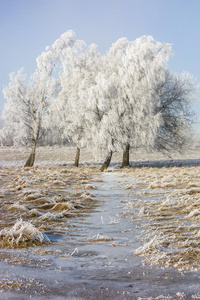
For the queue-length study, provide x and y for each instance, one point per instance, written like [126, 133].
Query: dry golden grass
[46, 196]
[165, 203]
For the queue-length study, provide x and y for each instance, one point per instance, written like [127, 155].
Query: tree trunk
[76, 163]
[30, 161]
[106, 162]
[125, 161]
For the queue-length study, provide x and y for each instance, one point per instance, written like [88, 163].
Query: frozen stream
[95, 259]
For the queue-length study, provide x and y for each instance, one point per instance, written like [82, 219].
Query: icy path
[95, 259]
[103, 243]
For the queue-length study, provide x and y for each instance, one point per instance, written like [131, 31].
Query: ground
[104, 236]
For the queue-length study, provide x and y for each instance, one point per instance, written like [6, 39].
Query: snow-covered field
[145, 215]
[65, 155]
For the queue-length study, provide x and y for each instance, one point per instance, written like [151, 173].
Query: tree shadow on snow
[165, 163]
[144, 164]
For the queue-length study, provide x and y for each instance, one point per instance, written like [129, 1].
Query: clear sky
[28, 26]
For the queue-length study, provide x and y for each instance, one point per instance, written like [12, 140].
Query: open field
[66, 155]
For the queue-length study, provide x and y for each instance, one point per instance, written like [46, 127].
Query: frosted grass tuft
[99, 238]
[22, 234]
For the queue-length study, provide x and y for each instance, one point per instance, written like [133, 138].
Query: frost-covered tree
[147, 106]
[102, 115]
[29, 100]
[79, 67]
[27, 107]
[144, 69]
[126, 101]
[176, 96]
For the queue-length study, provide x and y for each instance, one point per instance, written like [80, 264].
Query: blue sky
[28, 26]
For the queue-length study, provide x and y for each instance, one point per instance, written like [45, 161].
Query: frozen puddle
[93, 259]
